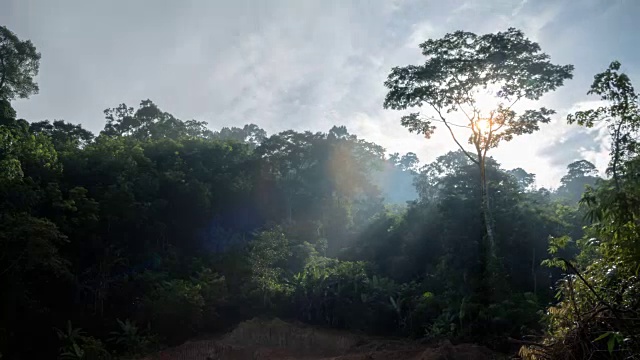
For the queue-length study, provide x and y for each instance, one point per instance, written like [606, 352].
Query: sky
[309, 65]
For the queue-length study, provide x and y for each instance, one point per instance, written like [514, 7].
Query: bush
[213, 289]
[177, 309]
[130, 341]
[76, 345]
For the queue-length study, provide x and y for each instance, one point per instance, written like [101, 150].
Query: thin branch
[455, 76]
[499, 127]
[475, 161]
[575, 271]
[450, 123]
[593, 291]
[465, 113]
[513, 103]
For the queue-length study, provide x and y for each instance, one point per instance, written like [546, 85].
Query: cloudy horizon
[308, 65]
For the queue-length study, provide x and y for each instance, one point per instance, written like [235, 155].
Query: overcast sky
[307, 65]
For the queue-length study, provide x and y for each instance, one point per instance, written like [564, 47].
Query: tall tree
[603, 280]
[19, 64]
[150, 122]
[621, 116]
[458, 68]
[580, 174]
[251, 134]
[524, 179]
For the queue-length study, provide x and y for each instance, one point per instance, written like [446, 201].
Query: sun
[483, 125]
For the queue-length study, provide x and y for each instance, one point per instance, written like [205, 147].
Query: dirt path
[279, 340]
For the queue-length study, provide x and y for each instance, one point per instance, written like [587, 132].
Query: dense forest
[158, 229]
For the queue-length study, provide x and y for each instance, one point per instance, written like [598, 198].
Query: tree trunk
[488, 246]
[486, 211]
[290, 210]
[616, 156]
[533, 272]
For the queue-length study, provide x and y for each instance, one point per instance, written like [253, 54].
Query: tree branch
[575, 271]
[450, 123]
[476, 138]
[513, 103]
[489, 137]
[469, 97]
[499, 127]
[475, 161]
[465, 113]
[593, 291]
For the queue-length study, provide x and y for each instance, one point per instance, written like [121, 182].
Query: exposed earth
[276, 339]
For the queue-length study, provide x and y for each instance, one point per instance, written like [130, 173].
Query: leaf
[602, 336]
[611, 344]
[393, 302]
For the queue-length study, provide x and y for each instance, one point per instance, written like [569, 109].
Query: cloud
[573, 142]
[303, 64]
[573, 146]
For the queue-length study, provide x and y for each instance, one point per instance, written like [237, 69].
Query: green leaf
[602, 336]
[611, 344]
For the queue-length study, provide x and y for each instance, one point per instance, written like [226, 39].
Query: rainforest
[156, 230]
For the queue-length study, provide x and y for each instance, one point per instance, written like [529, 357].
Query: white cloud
[301, 64]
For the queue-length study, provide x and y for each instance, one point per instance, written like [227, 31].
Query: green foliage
[580, 175]
[268, 254]
[334, 293]
[178, 308]
[598, 308]
[64, 136]
[130, 340]
[555, 245]
[77, 346]
[19, 64]
[151, 122]
[23, 153]
[461, 63]
[175, 309]
[29, 245]
[183, 230]
[458, 69]
[620, 115]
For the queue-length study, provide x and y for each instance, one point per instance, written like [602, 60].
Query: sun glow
[483, 125]
[486, 102]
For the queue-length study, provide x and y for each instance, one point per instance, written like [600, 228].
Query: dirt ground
[279, 340]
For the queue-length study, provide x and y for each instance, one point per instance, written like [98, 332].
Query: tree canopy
[458, 67]
[19, 65]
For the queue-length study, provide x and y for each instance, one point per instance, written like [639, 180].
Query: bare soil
[279, 340]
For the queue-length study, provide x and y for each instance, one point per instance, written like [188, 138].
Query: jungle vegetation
[158, 229]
